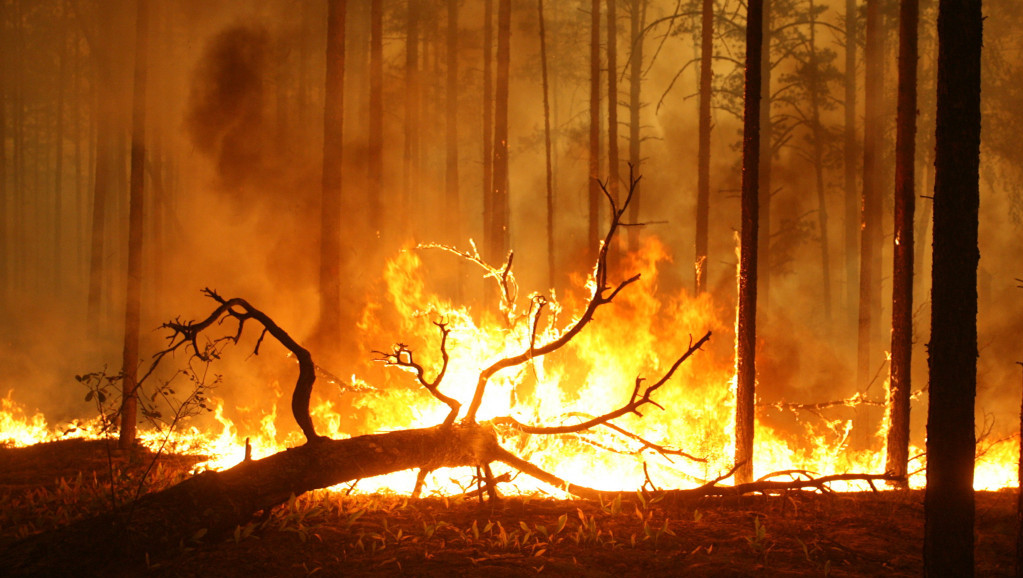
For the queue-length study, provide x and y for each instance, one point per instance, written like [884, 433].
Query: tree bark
[703, 154]
[612, 99]
[129, 400]
[852, 197]
[593, 235]
[636, 22]
[375, 166]
[499, 230]
[952, 359]
[452, 212]
[409, 190]
[746, 323]
[897, 459]
[870, 225]
[488, 123]
[217, 502]
[329, 333]
[547, 146]
[765, 158]
[815, 89]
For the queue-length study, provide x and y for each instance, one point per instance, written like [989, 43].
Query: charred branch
[401, 356]
[186, 334]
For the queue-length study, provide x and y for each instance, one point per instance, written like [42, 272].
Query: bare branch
[401, 356]
[636, 401]
[599, 297]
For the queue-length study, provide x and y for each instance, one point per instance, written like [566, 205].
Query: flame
[639, 335]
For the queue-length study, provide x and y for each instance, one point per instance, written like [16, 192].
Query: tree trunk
[409, 190]
[217, 502]
[488, 125]
[375, 166]
[499, 231]
[852, 197]
[547, 147]
[636, 22]
[452, 213]
[765, 157]
[897, 460]
[4, 226]
[746, 324]
[703, 154]
[817, 130]
[870, 225]
[330, 333]
[612, 100]
[593, 235]
[952, 358]
[129, 399]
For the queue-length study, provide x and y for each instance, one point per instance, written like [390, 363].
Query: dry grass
[328, 534]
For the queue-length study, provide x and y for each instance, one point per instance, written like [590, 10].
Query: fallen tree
[213, 503]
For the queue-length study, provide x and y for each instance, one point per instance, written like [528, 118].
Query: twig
[401, 356]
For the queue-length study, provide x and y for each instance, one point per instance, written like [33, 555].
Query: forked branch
[185, 334]
[602, 294]
[401, 356]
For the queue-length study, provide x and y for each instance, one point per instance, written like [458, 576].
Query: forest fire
[685, 442]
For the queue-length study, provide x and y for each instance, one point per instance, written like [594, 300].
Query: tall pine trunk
[636, 22]
[488, 125]
[593, 233]
[852, 196]
[817, 130]
[375, 166]
[870, 219]
[499, 230]
[952, 352]
[897, 458]
[452, 214]
[129, 398]
[547, 146]
[703, 153]
[746, 323]
[765, 157]
[409, 190]
[612, 99]
[330, 333]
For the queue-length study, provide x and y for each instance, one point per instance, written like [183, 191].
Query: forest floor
[328, 533]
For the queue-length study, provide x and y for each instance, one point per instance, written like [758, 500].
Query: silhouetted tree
[593, 236]
[703, 153]
[333, 185]
[133, 307]
[498, 233]
[746, 324]
[897, 459]
[952, 352]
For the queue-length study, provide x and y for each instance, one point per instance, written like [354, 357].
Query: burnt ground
[333, 534]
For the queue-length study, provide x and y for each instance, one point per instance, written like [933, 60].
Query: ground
[334, 533]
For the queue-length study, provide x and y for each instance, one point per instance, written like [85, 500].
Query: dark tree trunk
[703, 154]
[746, 324]
[952, 358]
[870, 219]
[817, 130]
[612, 99]
[4, 227]
[852, 196]
[499, 231]
[488, 124]
[56, 260]
[409, 190]
[375, 166]
[217, 502]
[636, 21]
[897, 459]
[133, 307]
[765, 158]
[547, 146]
[330, 333]
[593, 235]
[452, 213]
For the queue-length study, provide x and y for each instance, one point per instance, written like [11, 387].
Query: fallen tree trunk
[212, 504]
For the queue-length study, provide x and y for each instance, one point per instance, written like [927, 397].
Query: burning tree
[213, 503]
